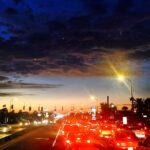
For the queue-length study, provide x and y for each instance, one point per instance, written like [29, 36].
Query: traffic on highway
[77, 131]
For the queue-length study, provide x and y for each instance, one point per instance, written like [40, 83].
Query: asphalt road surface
[38, 139]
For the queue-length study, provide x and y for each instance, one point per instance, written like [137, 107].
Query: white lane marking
[56, 137]
[46, 139]
[58, 134]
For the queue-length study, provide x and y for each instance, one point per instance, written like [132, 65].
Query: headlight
[20, 123]
[4, 129]
[35, 122]
[26, 124]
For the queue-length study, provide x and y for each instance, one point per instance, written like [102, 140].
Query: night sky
[59, 52]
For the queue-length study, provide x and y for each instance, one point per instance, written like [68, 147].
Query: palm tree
[147, 106]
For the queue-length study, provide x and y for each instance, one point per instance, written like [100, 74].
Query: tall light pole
[132, 98]
[95, 99]
[122, 78]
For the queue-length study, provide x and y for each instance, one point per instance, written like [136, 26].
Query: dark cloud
[58, 40]
[80, 23]
[29, 12]
[55, 26]
[18, 1]
[140, 55]
[95, 7]
[11, 11]
[14, 85]
[124, 6]
[8, 94]
[71, 61]
[40, 37]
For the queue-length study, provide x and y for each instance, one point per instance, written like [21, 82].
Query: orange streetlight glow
[121, 77]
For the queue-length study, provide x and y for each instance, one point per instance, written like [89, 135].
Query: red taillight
[68, 141]
[118, 144]
[78, 138]
[139, 124]
[123, 144]
[88, 141]
[129, 137]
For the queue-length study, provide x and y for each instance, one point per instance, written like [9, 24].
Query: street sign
[125, 120]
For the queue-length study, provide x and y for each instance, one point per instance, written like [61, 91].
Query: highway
[76, 133]
[38, 139]
[42, 138]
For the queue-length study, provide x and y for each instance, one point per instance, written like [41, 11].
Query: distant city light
[144, 116]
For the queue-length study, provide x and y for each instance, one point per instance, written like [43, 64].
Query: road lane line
[46, 139]
[56, 137]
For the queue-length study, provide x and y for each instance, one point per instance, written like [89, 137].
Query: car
[106, 131]
[24, 123]
[5, 128]
[45, 121]
[37, 122]
[66, 128]
[139, 129]
[145, 143]
[77, 138]
[52, 121]
[139, 133]
[87, 147]
[94, 127]
[125, 139]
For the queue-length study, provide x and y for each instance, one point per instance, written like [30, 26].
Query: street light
[95, 99]
[122, 79]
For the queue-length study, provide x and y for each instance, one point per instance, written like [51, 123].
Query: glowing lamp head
[120, 77]
[92, 97]
[4, 129]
